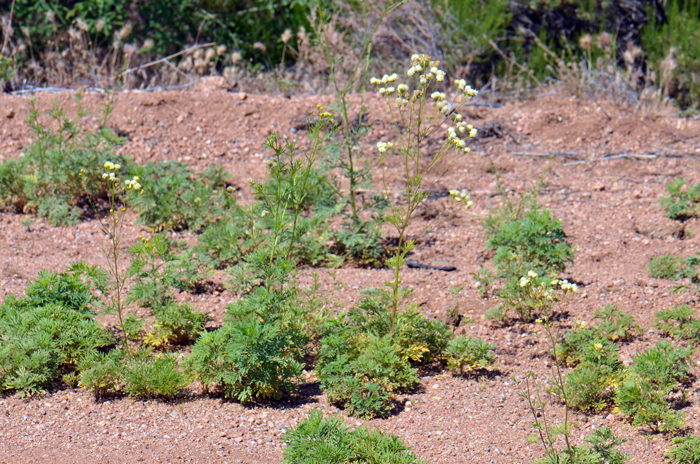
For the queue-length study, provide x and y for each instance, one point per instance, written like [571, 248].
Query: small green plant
[148, 375]
[327, 439]
[175, 199]
[679, 322]
[155, 271]
[681, 203]
[537, 242]
[655, 374]
[577, 390]
[684, 450]
[615, 325]
[469, 353]
[590, 385]
[59, 174]
[530, 296]
[48, 332]
[669, 267]
[248, 359]
[362, 363]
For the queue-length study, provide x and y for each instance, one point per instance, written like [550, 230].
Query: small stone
[436, 386]
[222, 434]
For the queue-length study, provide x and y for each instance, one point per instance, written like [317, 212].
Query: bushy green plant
[669, 267]
[684, 450]
[681, 203]
[531, 296]
[156, 271]
[602, 447]
[470, 353]
[654, 374]
[153, 375]
[102, 373]
[590, 385]
[615, 325]
[248, 359]
[537, 242]
[174, 198]
[59, 173]
[327, 439]
[362, 363]
[679, 322]
[47, 332]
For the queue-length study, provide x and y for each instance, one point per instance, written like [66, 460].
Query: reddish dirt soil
[609, 208]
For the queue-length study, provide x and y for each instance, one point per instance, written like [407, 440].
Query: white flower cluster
[112, 168]
[425, 69]
[565, 285]
[384, 146]
[454, 139]
[460, 196]
[382, 84]
[466, 89]
[133, 184]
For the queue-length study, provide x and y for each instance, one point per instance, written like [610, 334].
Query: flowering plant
[419, 109]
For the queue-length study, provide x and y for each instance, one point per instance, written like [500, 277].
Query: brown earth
[609, 208]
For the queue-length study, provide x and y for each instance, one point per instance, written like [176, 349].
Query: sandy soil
[609, 208]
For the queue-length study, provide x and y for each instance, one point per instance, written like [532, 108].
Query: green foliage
[176, 199]
[102, 373]
[682, 203]
[470, 353]
[615, 325]
[60, 172]
[156, 271]
[537, 242]
[590, 385]
[679, 322]
[684, 450]
[172, 25]
[669, 267]
[250, 359]
[148, 375]
[654, 374]
[602, 448]
[327, 439]
[362, 363]
[674, 51]
[46, 333]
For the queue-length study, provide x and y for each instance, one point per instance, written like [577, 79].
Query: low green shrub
[684, 450]
[174, 198]
[358, 352]
[537, 242]
[469, 353]
[615, 325]
[602, 447]
[327, 439]
[147, 374]
[46, 333]
[678, 322]
[681, 203]
[59, 175]
[669, 267]
[248, 359]
[654, 374]
[590, 385]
